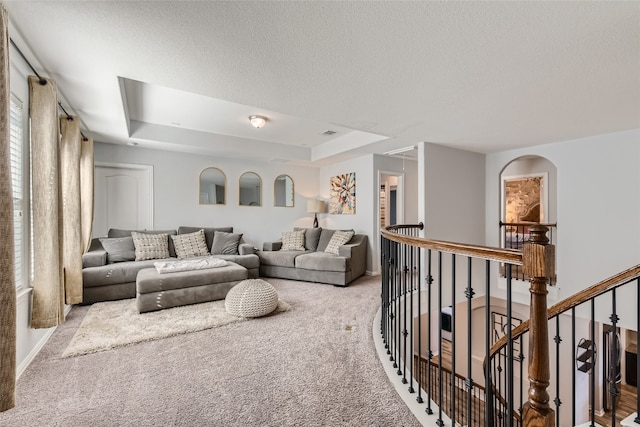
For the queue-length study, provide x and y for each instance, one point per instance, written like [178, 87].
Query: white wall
[175, 183]
[451, 193]
[598, 207]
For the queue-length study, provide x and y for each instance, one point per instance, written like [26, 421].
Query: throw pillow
[292, 241]
[311, 237]
[119, 249]
[117, 232]
[190, 245]
[225, 243]
[338, 239]
[150, 246]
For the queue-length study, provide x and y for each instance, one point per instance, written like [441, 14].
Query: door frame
[400, 197]
[149, 174]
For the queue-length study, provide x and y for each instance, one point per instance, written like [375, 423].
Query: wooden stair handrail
[575, 300]
[509, 256]
[527, 223]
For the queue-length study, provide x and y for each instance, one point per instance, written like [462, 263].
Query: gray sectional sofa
[112, 275]
[313, 264]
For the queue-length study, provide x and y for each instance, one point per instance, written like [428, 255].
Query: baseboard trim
[371, 273]
[36, 349]
[33, 353]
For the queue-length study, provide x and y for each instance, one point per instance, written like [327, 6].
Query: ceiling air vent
[329, 132]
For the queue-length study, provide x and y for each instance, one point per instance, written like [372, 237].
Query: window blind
[16, 143]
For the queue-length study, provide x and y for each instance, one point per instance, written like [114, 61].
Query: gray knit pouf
[251, 298]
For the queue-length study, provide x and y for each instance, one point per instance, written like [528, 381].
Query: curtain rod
[43, 82]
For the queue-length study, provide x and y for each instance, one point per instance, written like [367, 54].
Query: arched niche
[212, 187]
[250, 189]
[528, 190]
[283, 191]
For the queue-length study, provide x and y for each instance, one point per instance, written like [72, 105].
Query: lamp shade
[315, 206]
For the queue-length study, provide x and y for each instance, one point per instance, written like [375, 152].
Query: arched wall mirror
[283, 191]
[250, 189]
[212, 188]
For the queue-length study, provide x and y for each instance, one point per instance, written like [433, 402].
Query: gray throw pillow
[225, 243]
[119, 249]
[311, 237]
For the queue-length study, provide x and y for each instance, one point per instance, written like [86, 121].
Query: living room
[589, 133]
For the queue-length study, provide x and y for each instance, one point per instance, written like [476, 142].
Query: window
[17, 168]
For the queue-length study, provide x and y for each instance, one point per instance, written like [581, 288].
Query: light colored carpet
[313, 366]
[114, 324]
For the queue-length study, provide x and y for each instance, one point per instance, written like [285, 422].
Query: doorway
[123, 197]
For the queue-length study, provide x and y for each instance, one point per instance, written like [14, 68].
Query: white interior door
[123, 197]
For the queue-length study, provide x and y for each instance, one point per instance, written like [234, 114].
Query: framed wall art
[342, 194]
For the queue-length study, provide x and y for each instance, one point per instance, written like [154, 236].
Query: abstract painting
[342, 195]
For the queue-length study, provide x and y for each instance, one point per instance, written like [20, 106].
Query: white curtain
[48, 291]
[72, 244]
[7, 260]
[86, 191]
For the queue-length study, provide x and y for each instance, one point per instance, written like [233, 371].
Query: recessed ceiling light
[132, 143]
[329, 132]
[257, 121]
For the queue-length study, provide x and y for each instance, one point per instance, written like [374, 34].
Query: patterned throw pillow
[292, 241]
[338, 239]
[190, 245]
[150, 246]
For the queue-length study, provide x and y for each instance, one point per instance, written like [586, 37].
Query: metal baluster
[488, 378]
[405, 332]
[557, 400]
[573, 370]
[419, 276]
[613, 389]
[429, 352]
[509, 355]
[637, 418]
[520, 360]
[440, 422]
[411, 348]
[592, 375]
[453, 335]
[469, 381]
[394, 306]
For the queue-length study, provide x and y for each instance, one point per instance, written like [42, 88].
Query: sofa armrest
[246, 249]
[357, 251]
[94, 258]
[272, 246]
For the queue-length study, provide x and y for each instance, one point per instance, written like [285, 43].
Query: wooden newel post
[538, 258]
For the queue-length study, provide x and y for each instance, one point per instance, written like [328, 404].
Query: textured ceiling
[484, 76]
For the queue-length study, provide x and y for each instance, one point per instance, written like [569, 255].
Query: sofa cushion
[293, 241]
[225, 243]
[190, 245]
[119, 249]
[311, 237]
[117, 232]
[114, 274]
[279, 258]
[325, 238]
[209, 232]
[338, 239]
[150, 246]
[322, 261]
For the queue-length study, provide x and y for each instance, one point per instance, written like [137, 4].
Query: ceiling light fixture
[257, 121]
[401, 150]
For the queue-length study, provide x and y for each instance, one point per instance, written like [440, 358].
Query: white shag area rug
[115, 324]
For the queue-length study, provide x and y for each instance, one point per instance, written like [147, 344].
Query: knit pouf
[251, 298]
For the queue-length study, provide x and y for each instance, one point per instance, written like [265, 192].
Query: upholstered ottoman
[155, 291]
[251, 298]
